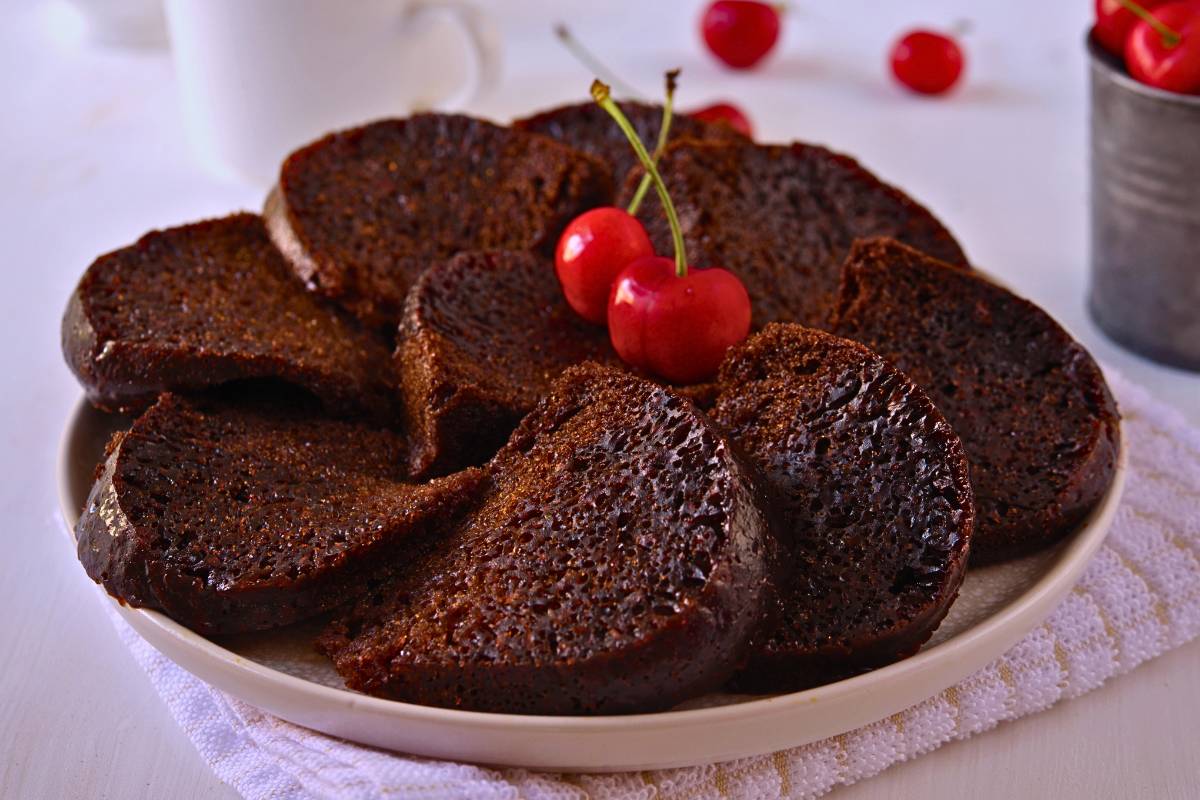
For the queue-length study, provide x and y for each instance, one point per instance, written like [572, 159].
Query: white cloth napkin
[1138, 598]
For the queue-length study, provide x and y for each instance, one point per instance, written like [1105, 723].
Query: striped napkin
[1139, 597]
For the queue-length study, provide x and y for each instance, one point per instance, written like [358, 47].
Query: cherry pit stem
[594, 65]
[664, 129]
[589, 60]
[603, 96]
[1170, 37]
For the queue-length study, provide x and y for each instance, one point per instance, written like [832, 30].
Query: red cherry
[593, 248]
[1164, 62]
[1114, 22]
[664, 316]
[740, 32]
[725, 114]
[927, 62]
[676, 327]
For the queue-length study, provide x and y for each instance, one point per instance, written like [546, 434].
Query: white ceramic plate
[280, 672]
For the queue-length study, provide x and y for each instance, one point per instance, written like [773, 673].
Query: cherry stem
[585, 57]
[961, 28]
[664, 129]
[594, 65]
[1170, 37]
[603, 95]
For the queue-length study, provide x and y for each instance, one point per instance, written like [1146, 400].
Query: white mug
[261, 77]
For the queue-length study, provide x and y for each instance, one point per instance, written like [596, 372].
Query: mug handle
[480, 45]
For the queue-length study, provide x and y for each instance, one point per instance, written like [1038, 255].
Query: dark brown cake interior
[872, 489]
[482, 338]
[1033, 410]
[202, 304]
[782, 218]
[617, 563]
[251, 514]
[623, 551]
[588, 127]
[363, 212]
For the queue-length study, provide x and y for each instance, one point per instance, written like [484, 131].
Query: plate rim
[958, 657]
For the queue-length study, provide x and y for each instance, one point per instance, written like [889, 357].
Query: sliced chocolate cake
[482, 338]
[199, 305]
[618, 562]
[782, 218]
[1033, 410]
[872, 490]
[362, 213]
[588, 127]
[240, 516]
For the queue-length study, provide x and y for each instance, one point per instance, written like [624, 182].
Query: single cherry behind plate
[593, 248]
[740, 32]
[725, 114]
[1166, 54]
[1114, 22]
[664, 316]
[678, 328]
[927, 62]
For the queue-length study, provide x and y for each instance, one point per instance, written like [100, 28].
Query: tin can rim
[1108, 64]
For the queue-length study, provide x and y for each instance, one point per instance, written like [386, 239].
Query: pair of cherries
[664, 317]
[1159, 40]
[740, 33]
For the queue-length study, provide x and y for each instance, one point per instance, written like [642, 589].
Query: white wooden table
[92, 154]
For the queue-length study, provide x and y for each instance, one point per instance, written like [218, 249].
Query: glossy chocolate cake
[242, 515]
[362, 213]
[482, 338]
[1033, 410]
[610, 545]
[872, 491]
[587, 127]
[203, 304]
[618, 562]
[782, 218]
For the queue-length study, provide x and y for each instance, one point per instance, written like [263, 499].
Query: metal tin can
[1145, 197]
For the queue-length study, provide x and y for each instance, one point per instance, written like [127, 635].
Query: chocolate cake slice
[871, 486]
[362, 213]
[195, 306]
[618, 562]
[588, 127]
[1033, 410]
[240, 516]
[782, 218]
[482, 338]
